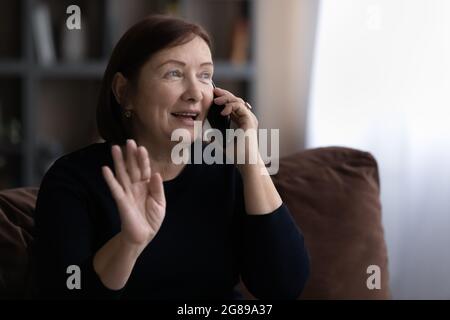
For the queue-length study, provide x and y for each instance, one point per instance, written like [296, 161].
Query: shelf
[11, 130]
[10, 108]
[227, 70]
[239, 88]
[66, 111]
[10, 150]
[227, 22]
[65, 120]
[83, 43]
[222, 69]
[11, 67]
[82, 70]
[10, 29]
[49, 109]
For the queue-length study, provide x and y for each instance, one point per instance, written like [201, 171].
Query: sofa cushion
[334, 195]
[16, 235]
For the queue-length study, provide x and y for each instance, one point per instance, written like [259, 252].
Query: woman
[121, 219]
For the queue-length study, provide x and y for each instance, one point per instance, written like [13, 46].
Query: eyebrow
[182, 63]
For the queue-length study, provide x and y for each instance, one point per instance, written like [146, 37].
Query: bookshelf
[48, 108]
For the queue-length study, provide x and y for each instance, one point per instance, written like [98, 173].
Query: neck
[160, 159]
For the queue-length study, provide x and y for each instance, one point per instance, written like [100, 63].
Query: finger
[114, 186]
[220, 91]
[237, 108]
[119, 166]
[227, 98]
[144, 163]
[156, 189]
[227, 109]
[131, 161]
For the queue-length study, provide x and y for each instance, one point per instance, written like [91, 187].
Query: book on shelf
[240, 42]
[173, 8]
[42, 32]
[10, 130]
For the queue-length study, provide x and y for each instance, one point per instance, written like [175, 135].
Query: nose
[193, 92]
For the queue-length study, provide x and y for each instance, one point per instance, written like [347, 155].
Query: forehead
[196, 51]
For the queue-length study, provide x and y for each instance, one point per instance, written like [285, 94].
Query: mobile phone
[216, 120]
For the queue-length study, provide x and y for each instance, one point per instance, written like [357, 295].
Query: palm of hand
[139, 195]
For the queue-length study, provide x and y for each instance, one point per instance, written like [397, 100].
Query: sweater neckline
[182, 176]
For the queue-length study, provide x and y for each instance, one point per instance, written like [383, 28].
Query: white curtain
[381, 83]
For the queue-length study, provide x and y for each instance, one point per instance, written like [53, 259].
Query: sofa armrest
[16, 236]
[333, 194]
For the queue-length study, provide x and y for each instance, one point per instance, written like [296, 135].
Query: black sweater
[205, 242]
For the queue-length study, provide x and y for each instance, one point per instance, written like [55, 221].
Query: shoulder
[83, 162]
[92, 153]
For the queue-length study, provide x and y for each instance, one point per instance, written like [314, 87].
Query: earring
[127, 114]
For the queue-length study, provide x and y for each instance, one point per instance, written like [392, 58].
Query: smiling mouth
[186, 115]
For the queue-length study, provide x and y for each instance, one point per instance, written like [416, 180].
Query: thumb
[156, 188]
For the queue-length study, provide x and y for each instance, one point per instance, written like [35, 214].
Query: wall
[284, 50]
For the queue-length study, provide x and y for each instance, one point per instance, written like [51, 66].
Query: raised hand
[138, 193]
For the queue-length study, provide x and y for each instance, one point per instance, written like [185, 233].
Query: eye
[206, 75]
[173, 73]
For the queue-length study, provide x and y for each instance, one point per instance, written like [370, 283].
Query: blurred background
[367, 74]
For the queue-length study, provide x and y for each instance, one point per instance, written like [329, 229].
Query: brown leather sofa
[333, 194]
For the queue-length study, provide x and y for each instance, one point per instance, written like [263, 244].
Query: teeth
[187, 114]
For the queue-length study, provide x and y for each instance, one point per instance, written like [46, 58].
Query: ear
[119, 88]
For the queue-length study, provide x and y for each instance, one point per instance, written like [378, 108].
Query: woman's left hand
[260, 194]
[235, 107]
[240, 114]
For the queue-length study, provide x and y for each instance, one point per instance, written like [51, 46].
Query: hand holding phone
[216, 120]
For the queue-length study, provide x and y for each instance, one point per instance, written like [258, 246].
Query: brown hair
[135, 47]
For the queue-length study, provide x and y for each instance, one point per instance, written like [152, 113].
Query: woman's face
[174, 89]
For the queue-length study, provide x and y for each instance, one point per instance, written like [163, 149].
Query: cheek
[156, 103]
[208, 100]
[207, 106]
[167, 96]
